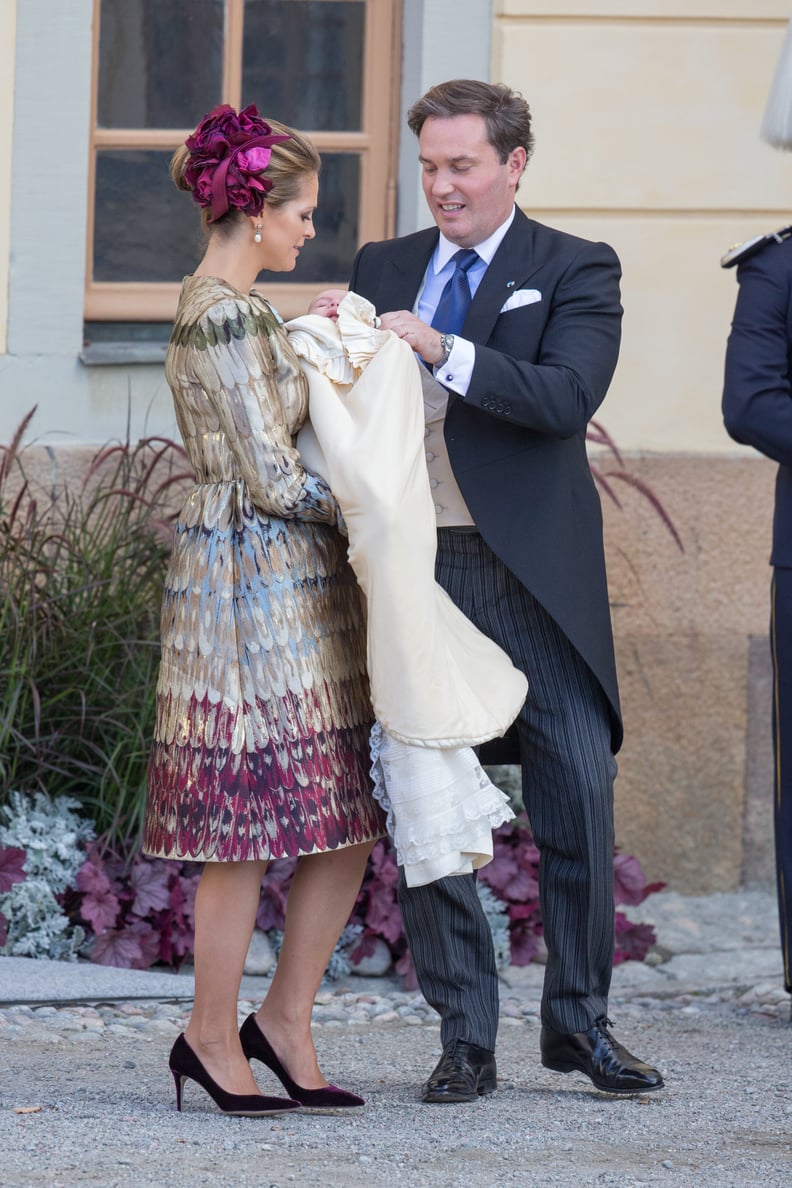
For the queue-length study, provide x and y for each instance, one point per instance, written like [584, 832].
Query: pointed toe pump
[256, 1046]
[186, 1066]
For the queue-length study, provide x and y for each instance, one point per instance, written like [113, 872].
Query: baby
[326, 303]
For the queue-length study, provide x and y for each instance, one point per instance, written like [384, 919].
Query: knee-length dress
[263, 710]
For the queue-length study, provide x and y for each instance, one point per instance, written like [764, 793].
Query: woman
[261, 744]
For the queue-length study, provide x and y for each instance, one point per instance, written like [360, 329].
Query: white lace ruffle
[441, 807]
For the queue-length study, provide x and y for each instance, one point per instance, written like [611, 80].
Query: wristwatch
[446, 346]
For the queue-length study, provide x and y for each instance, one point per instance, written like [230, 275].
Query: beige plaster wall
[695, 783]
[7, 40]
[647, 117]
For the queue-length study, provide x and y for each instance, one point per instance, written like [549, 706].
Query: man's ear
[516, 162]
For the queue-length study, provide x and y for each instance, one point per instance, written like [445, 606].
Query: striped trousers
[567, 779]
[781, 645]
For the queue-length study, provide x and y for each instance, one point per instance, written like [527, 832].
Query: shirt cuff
[457, 371]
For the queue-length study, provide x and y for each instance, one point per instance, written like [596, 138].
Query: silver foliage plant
[497, 913]
[339, 964]
[54, 839]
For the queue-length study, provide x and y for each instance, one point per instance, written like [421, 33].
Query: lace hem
[440, 806]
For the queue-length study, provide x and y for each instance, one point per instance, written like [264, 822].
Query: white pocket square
[521, 297]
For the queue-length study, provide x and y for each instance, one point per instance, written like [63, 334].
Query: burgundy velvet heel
[185, 1065]
[256, 1046]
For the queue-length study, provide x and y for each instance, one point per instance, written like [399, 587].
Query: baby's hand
[326, 303]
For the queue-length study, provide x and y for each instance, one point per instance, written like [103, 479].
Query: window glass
[144, 228]
[303, 61]
[329, 256]
[160, 64]
[157, 236]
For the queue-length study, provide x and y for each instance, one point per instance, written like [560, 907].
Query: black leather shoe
[464, 1072]
[601, 1057]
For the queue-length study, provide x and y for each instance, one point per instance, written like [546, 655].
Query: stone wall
[695, 785]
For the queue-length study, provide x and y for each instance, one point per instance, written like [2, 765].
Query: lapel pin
[509, 284]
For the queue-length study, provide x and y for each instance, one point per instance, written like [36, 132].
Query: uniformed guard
[757, 411]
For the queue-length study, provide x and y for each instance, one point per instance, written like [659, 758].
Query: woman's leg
[225, 915]
[321, 899]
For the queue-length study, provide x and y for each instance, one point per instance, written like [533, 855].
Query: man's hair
[505, 112]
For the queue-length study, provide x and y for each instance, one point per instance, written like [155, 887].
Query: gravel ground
[86, 1096]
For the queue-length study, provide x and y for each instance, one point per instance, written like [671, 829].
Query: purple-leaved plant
[140, 912]
[12, 870]
[633, 941]
[513, 875]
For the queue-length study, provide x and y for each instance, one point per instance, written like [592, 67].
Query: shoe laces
[455, 1054]
[602, 1024]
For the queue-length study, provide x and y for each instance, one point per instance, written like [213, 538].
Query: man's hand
[422, 338]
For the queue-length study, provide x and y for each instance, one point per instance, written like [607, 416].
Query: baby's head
[326, 303]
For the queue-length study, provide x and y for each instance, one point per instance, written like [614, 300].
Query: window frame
[376, 144]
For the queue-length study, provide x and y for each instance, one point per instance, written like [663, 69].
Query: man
[521, 336]
[757, 411]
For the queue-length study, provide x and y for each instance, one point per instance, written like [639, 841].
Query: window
[327, 67]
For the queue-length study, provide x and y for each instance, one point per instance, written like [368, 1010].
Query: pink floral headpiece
[228, 153]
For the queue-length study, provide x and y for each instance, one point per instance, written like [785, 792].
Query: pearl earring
[257, 236]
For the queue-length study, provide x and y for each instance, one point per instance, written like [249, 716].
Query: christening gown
[439, 686]
[261, 745]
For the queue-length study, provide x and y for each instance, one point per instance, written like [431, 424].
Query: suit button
[507, 409]
[499, 406]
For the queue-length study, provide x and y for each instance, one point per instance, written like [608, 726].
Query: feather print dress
[263, 711]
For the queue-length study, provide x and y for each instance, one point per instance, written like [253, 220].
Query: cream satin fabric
[436, 681]
[438, 685]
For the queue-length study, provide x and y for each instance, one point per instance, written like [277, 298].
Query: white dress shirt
[457, 370]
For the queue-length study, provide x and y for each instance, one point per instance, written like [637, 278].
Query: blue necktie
[455, 299]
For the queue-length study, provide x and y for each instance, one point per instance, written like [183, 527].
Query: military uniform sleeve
[757, 399]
